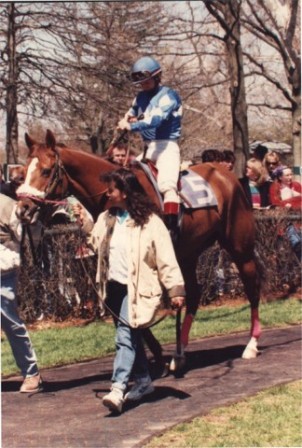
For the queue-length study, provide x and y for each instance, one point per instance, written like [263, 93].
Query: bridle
[56, 179]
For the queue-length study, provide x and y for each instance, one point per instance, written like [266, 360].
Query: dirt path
[69, 413]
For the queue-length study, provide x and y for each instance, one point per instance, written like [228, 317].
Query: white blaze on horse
[55, 171]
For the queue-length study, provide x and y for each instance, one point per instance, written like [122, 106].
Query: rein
[43, 200]
[70, 181]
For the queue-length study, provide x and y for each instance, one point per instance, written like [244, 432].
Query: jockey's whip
[120, 137]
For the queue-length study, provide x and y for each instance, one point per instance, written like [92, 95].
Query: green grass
[59, 346]
[271, 418]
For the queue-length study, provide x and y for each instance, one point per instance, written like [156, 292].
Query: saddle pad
[196, 192]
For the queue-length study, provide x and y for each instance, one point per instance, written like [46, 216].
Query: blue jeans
[293, 235]
[14, 327]
[130, 353]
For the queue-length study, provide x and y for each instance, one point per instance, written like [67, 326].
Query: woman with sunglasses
[156, 114]
[271, 161]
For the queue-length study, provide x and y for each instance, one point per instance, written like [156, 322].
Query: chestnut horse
[54, 170]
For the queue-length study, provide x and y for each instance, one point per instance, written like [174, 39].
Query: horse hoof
[251, 350]
[250, 353]
[177, 363]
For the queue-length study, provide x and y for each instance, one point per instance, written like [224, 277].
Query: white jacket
[152, 266]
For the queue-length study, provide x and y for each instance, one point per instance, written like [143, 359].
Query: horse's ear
[29, 142]
[50, 140]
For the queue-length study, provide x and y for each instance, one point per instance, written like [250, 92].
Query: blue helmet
[144, 68]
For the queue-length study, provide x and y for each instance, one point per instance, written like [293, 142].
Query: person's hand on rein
[123, 125]
[79, 212]
[177, 302]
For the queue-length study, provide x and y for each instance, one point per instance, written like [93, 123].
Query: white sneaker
[141, 387]
[114, 400]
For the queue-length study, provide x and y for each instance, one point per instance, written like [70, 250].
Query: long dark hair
[139, 205]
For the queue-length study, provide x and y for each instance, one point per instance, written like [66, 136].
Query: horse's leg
[188, 269]
[251, 281]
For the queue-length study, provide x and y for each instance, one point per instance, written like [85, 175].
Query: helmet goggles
[139, 77]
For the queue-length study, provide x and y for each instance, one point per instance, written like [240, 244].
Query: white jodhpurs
[166, 156]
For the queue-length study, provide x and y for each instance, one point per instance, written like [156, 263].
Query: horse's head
[45, 178]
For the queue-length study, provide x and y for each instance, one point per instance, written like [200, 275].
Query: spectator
[211, 155]
[228, 159]
[130, 238]
[12, 325]
[270, 162]
[62, 214]
[16, 177]
[255, 184]
[260, 152]
[156, 114]
[118, 153]
[284, 192]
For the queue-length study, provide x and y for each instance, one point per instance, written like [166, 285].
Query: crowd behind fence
[58, 281]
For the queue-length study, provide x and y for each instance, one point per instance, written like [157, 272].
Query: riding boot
[171, 210]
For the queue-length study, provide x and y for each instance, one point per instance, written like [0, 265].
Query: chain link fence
[57, 282]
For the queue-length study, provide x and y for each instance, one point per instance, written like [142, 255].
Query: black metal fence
[59, 283]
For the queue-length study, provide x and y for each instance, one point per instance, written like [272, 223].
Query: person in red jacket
[285, 192]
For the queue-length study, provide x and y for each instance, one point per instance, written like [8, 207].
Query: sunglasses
[272, 163]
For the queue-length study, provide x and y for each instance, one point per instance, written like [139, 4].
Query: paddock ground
[69, 413]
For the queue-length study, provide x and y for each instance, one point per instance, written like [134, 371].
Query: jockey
[156, 114]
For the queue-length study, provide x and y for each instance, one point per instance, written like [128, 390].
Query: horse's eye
[46, 172]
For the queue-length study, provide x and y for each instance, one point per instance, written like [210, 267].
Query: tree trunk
[297, 140]
[228, 16]
[296, 120]
[11, 91]
[237, 87]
